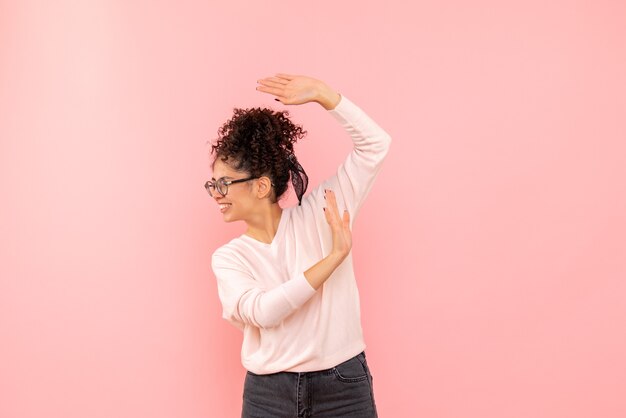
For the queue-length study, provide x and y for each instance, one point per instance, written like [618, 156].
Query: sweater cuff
[346, 112]
[297, 291]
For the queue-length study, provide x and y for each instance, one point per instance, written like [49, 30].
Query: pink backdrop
[491, 255]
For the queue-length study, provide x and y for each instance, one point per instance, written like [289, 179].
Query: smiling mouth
[224, 207]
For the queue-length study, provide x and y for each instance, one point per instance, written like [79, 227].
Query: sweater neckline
[277, 237]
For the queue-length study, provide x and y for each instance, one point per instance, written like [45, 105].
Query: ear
[264, 187]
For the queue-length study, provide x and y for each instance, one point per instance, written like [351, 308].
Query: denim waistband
[360, 356]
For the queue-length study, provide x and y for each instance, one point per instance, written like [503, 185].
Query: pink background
[491, 255]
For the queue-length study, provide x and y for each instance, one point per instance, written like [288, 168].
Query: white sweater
[286, 324]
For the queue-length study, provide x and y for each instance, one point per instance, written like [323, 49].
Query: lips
[224, 207]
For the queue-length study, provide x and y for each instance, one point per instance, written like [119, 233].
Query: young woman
[288, 281]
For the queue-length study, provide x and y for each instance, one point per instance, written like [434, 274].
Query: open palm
[292, 89]
[339, 225]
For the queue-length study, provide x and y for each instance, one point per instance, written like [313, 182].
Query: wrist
[337, 257]
[328, 98]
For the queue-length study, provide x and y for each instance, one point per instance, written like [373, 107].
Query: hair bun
[260, 142]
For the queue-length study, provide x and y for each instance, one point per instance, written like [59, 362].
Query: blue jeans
[342, 391]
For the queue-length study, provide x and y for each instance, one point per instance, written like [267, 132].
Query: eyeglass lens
[220, 185]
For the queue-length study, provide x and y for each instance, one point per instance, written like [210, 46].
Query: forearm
[246, 300]
[321, 271]
[267, 309]
[367, 136]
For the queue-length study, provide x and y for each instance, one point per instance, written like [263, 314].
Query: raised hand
[298, 89]
[342, 243]
[339, 225]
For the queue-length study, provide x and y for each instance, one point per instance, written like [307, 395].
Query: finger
[278, 80]
[331, 209]
[272, 82]
[278, 92]
[329, 217]
[331, 200]
[287, 77]
[346, 219]
[332, 217]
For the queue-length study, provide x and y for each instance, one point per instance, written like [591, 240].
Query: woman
[288, 281]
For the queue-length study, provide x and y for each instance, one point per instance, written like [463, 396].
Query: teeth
[224, 205]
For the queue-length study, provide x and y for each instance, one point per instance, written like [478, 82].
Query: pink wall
[491, 255]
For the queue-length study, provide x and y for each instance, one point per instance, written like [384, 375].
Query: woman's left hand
[339, 226]
[298, 89]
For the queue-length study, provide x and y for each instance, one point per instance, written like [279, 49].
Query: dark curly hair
[259, 141]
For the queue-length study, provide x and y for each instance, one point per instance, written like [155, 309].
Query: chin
[228, 218]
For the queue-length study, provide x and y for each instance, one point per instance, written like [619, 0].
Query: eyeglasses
[221, 186]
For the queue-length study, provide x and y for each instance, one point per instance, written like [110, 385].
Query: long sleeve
[244, 301]
[355, 176]
[287, 325]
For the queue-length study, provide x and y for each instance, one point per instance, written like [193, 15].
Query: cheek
[243, 193]
[239, 203]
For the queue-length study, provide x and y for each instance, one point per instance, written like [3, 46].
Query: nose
[217, 196]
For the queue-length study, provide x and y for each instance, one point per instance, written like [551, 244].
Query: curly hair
[259, 141]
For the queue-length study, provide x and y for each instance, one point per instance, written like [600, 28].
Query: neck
[264, 224]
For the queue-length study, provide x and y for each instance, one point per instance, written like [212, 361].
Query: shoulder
[229, 254]
[308, 211]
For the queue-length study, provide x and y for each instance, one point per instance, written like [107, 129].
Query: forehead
[222, 169]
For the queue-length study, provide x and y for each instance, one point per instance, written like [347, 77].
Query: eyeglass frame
[226, 183]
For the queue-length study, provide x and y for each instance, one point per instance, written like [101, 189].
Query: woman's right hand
[339, 225]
